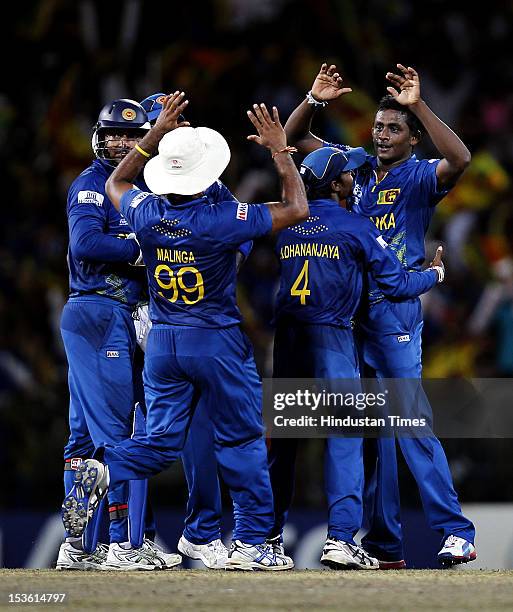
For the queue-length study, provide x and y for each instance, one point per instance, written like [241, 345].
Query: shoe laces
[451, 541]
[217, 547]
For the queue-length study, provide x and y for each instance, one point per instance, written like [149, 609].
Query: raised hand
[270, 131]
[407, 83]
[328, 84]
[172, 108]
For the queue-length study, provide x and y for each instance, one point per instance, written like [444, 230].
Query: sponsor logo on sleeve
[382, 242]
[90, 197]
[112, 353]
[405, 338]
[75, 462]
[139, 198]
[242, 211]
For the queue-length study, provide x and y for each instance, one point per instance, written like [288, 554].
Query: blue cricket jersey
[323, 260]
[400, 205]
[98, 252]
[189, 250]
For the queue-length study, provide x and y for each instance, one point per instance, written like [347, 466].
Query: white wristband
[440, 270]
[311, 100]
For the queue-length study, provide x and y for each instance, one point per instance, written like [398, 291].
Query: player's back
[321, 266]
[190, 254]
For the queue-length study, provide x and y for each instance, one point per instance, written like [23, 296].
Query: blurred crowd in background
[65, 59]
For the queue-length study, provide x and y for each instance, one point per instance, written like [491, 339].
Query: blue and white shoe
[250, 557]
[340, 555]
[456, 550]
[73, 558]
[91, 485]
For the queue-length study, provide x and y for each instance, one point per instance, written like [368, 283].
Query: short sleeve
[232, 223]
[140, 208]
[427, 180]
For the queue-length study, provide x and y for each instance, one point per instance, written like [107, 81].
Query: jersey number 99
[189, 293]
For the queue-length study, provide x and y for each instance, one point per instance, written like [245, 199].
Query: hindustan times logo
[307, 399]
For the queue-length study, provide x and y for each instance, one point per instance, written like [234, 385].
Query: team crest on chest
[388, 196]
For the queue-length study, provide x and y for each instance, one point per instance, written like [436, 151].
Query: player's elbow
[301, 210]
[83, 247]
[461, 162]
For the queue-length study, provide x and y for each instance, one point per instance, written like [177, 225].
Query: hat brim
[357, 157]
[163, 180]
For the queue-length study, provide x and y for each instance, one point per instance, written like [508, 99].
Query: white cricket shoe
[276, 544]
[213, 555]
[251, 557]
[167, 560]
[131, 559]
[456, 550]
[343, 555]
[71, 558]
[90, 486]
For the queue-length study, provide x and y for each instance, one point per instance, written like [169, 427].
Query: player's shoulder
[420, 166]
[93, 178]
[356, 225]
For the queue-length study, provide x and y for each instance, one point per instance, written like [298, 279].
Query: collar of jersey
[196, 202]
[394, 170]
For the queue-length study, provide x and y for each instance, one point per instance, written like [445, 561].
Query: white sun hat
[189, 161]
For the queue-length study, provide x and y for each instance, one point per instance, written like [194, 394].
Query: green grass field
[296, 590]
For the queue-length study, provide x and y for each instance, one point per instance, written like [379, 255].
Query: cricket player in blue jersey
[323, 261]
[99, 336]
[201, 539]
[399, 195]
[196, 348]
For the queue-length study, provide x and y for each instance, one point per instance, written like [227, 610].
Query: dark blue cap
[327, 164]
[153, 105]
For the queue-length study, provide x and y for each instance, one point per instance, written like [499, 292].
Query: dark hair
[318, 194]
[388, 102]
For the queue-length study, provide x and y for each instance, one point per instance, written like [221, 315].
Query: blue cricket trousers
[318, 351]
[182, 365]
[204, 507]
[425, 457]
[99, 339]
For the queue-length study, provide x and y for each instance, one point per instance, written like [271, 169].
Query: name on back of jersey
[175, 256]
[309, 249]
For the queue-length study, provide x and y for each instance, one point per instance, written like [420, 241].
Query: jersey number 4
[166, 279]
[302, 277]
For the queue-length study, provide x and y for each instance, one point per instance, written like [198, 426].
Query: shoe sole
[64, 568]
[83, 499]
[199, 557]
[345, 565]
[131, 568]
[255, 567]
[450, 560]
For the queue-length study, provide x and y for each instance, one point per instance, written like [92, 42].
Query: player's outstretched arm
[327, 86]
[391, 277]
[294, 206]
[121, 180]
[456, 156]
